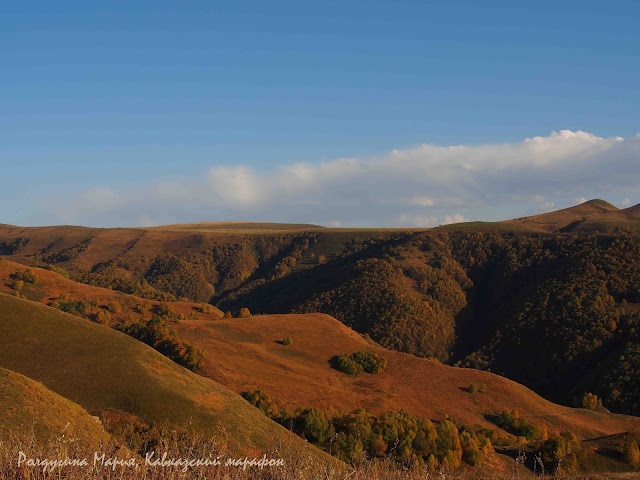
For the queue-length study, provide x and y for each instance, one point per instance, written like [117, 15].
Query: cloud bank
[422, 186]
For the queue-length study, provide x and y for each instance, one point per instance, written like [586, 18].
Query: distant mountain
[591, 216]
[550, 301]
[239, 226]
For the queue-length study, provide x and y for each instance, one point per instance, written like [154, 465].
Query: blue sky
[130, 97]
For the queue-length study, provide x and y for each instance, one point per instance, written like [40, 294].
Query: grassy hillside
[591, 216]
[50, 285]
[102, 370]
[543, 300]
[169, 264]
[248, 353]
[29, 408]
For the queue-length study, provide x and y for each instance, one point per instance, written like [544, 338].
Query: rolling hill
[591, 216]
[549, 301]
[103, 370]
[29, 408]
[246, 353]
[51, 285]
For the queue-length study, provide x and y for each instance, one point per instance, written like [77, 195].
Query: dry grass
[295, 465]
[101, 369]
[51, 285]
[595, 215]
[245, 354]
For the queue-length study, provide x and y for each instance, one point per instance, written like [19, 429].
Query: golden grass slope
[246, 353]
[30, 410]
[51, 285]
[101, 369]
[591, 216]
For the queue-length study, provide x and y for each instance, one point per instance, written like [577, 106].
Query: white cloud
[579, 200]
[237, 186]
[456, 218]
[418, 186]
[546, 207]
[625, 203]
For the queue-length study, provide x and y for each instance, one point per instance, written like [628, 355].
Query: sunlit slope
[591, 216]
[29, 408]
[247, 353]
[101, 369]
[51, 285]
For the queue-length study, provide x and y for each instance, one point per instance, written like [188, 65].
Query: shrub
[114, 307]
[287, 341]
[227, 314]
[560, 453]
[17, 285]
[399, 436]
[205, 308]
[317, 426]
[473, 456]
[631, 453]
[591, 401]
[163, 309]
[448, 444]
[371, 362]
[103, 317]
[356, 363]
[243, 313]
[473, 388]
[262, 400]
[510, 421]
[58, 270]
[347, 365]
[155, 334]
[141, 309]
[29, 276]
[74, 307]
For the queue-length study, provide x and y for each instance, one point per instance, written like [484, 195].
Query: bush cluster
[58, 270]
[357, 435]
[79, 308]
[27, 276]
[155, 333]
[356, 363]
[511, 421]
[561, 454]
